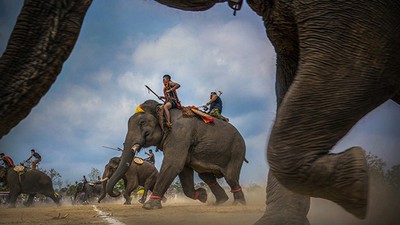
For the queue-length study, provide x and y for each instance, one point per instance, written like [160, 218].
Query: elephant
[30, 182]
[336, 62]
[87, 191]
[213, 150]
[144, 175]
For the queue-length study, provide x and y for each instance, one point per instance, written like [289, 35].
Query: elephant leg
[232, 175]
[148, 185]
[131, 185]
[313, 117]
[187, 181]
[54, 197]
[283, 206]
[103, 192]
[216, 189]
[171, 166]
[29, 201]
[12, 198]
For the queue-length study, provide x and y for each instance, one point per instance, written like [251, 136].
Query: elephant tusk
[104, 179]
[135, 147]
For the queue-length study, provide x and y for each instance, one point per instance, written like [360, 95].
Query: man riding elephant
[29, 182]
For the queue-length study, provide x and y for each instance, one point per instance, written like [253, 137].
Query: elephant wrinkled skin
[336, 61]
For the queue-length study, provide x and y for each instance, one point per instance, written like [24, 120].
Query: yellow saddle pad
[19, 169]
[138, 160]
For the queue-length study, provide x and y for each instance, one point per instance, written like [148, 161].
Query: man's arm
[213, 98]
[30, 157]
[173, 86]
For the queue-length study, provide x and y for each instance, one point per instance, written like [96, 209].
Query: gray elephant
[29, 182]
[213, 150]
[336, 61]
[144, 174]
[85, 192]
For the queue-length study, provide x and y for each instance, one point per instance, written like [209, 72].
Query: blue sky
[125, 45]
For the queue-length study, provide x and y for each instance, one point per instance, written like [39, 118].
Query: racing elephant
[29, 182]
[144, 174]
[213, 150]
[336, 62]
[85, 192]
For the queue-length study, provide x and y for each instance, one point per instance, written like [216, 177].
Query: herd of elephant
[141, 172]
[336, 62]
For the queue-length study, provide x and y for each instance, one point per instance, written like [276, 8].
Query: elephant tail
[245, 160]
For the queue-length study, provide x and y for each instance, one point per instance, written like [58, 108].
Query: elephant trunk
[103, 187]
[126, 160]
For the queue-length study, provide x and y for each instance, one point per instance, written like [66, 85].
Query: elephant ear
[150, 106]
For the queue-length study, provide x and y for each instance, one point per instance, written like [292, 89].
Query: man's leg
[167, 107]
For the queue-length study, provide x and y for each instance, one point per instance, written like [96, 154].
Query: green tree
[176, 187]
[393, 177]
[376, 165]
[94, 173]
[55, 177]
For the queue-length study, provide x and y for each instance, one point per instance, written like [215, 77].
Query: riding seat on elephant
[140, 172]
[213, 150]
[27, 181]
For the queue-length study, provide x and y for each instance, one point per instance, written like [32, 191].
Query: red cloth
[9, 160]
[204, 116]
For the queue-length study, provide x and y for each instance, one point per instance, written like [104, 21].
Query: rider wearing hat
[215, 104]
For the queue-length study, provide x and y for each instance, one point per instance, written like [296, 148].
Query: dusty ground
[183, 211]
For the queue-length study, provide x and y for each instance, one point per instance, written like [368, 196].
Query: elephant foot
[127, 203]
[239, 198]
[201, 195]
[221, 200]
[141, 201]
[352, 182]
[345, 179]
[152, 204]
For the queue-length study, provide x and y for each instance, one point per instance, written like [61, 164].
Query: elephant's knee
[288, 167]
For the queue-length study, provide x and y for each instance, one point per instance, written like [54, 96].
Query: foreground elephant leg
[310, 121]
[42, 40]
[283, 206]
[216, 189]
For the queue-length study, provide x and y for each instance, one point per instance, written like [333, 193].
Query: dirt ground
[383, 209]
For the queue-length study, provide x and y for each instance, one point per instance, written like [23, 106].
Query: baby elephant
[143, 174]
[29, 182]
